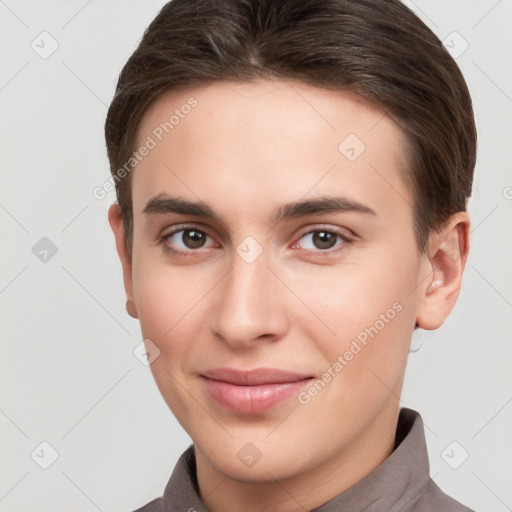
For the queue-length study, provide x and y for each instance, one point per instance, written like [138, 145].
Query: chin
[269, 463]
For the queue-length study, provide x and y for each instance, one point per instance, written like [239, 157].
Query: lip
[252, 391]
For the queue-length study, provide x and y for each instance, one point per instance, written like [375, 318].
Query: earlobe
[116, 223]
[447, 255]
[131, 309]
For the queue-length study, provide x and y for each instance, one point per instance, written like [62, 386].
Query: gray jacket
[401, 483]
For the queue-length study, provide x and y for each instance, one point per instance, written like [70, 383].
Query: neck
[306, 490]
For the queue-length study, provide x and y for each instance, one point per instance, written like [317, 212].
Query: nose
[250, 305]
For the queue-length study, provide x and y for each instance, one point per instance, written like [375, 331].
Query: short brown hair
[377, 49]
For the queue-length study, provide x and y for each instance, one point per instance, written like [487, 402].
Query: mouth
[252, 391]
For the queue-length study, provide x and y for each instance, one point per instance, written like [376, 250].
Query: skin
[245, 150]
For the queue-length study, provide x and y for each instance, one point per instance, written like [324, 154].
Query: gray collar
[395, 485]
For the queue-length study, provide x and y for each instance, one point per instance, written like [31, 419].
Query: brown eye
[324, 239]
[188, 239]
[193, 239]
[321, 240]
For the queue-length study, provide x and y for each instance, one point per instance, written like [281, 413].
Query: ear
[446, 254]
[116, 223]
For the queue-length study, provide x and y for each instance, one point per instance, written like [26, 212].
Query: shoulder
[434, 499]
[157, 505]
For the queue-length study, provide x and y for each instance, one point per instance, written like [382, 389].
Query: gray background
[68, 373]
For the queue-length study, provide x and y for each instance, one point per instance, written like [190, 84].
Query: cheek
[365, 305]
[168, 304]
[371, 316]
[155, 304]
[166, 299]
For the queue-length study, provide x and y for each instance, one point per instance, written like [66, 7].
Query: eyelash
[178, 252]
[346, 241]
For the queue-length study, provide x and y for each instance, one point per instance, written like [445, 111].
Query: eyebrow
[163, 204]
[317, 206]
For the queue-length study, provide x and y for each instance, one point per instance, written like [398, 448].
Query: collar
[397, 482]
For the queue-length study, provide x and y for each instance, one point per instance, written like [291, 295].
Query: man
[292, 181]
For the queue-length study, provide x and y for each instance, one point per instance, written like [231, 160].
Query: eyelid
[347, 239]
[166, 234]
[183, 227]
[344, 233]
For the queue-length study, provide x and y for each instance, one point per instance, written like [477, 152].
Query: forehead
[266, 138]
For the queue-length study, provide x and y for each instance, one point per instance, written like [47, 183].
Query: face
[275, 271]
